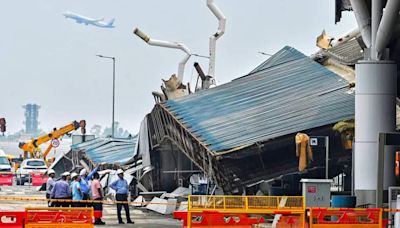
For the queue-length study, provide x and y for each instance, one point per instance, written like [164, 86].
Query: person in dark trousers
[61, 191]
[76, 190]
[85, 186]
[50, 185]
[121, 188]
[69, 181]
[97, 194]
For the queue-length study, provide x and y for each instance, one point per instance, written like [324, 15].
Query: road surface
[142, 217]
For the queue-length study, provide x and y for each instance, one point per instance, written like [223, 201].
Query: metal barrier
[12, 219]
[37, 178]
[244, 211]
[346, 217]
[33, 178]
[6, 178]
[250, 204]
[217, 219]
[59, 217]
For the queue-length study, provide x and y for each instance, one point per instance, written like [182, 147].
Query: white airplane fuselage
[89, 21]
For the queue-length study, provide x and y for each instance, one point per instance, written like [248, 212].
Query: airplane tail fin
[111, 22]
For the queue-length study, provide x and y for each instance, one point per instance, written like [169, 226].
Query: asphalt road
[142, 217]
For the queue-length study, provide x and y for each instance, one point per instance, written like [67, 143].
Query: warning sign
[312, 189]
[55, 143]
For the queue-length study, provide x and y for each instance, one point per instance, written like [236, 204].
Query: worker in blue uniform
[121, 188]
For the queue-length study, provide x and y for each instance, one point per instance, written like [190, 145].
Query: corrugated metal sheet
[108, 150]
[347, 53]
[286, 94]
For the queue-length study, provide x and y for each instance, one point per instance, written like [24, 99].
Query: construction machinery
[33, 147]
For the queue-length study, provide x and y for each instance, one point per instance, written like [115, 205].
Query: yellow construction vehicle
[33, 147]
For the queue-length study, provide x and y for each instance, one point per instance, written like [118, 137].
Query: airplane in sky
[85, 20]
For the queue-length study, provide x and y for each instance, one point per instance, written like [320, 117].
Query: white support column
[375, 108]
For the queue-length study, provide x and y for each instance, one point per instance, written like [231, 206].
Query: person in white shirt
[50, 185]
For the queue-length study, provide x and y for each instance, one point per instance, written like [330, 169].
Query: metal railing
[59, 217]
[345, 217]
[245, 204]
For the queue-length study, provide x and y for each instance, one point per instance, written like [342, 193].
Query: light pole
[263, 53]
[113, 97]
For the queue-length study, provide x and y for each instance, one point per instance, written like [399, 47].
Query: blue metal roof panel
[108, 150]
[285, 55]
[286, 94]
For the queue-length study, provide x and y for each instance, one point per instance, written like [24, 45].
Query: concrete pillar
[375, 112]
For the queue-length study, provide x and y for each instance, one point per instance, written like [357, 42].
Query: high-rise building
[31, 118]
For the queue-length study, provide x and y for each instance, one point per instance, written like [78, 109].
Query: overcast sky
[49, 60]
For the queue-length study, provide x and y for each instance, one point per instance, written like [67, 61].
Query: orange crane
[33, 146]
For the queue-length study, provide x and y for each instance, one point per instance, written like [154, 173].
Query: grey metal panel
[108, 150]
[286, 94]
[347, 53]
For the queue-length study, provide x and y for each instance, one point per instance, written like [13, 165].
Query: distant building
[31, 118]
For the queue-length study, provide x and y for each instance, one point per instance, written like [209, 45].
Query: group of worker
[85, 186]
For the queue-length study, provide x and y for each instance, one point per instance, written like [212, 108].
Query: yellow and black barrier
[40, 199]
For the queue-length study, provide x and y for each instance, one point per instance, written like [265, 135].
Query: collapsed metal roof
[287, 93]
[347, 53]
[238, 131]
[109, 150]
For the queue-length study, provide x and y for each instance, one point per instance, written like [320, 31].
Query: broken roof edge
[285, 55]
[225, 152]
[108, 150]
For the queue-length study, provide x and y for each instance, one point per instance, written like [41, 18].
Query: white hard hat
[73, 175]
[50, 171]
[65, 174]
[83, 172]
[119, 171]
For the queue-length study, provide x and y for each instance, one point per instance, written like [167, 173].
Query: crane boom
[33, 146]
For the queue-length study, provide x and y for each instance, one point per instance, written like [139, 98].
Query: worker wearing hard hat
[61, 190]
[50, 184]
[121, 188]
[76, 189]
[85, 186]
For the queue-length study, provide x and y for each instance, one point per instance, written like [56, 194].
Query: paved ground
[142, 217]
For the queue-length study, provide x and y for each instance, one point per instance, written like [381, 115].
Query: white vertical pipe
[375, 112]
[363, 18]
[397, 214]
[376, 14]
[327, 157]
[167, 44]
[213, 39]
[386, 26]
[345, 37]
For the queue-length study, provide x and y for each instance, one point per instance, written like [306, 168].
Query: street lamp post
[263, 53]
[113, 97]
